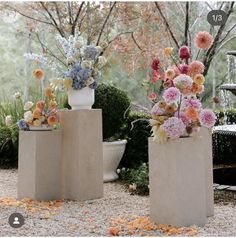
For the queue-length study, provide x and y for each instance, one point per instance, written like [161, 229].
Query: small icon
[217, 17]
[16, 220]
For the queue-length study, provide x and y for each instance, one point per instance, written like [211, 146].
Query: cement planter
[81, 98]
[112, 154]
[178, 182]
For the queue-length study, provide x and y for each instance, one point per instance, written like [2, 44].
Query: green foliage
[114, 103]
[8, 146]
[138, 178]
[137, 135]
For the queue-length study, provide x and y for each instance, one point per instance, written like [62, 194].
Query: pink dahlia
[192, 102]
[171, 95]
[183, 68]
[184, 83]
[155, 64]
[184, 52]
[174, 127]
[157, 111]
[196, 67]
[182, 117]
[152, 96]
[207, 118]
[203, 40]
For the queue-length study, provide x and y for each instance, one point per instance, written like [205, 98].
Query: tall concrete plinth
[206, 135]
[39, 170]
[82, 154]
[177, 177]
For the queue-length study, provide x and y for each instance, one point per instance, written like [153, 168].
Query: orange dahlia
[37, 113]
[38, 73]
[191, 114]
[52, 120]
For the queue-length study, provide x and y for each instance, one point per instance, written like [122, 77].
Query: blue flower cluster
[80, 75]
[23, 125]
[90, 52]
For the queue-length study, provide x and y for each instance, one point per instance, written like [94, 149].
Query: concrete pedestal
[206, 136]
[82, 155]
[39, 171]
[178, 182]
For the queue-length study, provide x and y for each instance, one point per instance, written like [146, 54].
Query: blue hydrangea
[23, 125]
[84, 74]
[90, 52]
[78, 84]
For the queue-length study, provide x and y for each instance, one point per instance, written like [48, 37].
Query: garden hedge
[136, 151]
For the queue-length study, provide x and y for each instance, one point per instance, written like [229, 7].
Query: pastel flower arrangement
[82, 67]
[178, 111]
[42, 115]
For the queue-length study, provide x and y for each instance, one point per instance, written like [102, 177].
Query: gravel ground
[92, 218]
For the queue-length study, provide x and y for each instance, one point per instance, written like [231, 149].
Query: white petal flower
[28, 105]
[8, 120]
[28, 116]
[118, 171]
[17, 95]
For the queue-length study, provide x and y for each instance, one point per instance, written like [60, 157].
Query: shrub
[138, 178]
[114, 103]
[136, 151]
[8, 146]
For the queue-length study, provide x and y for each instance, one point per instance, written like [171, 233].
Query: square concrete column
[39, 170]
[177, 182]
[82, 154]
[206, 136]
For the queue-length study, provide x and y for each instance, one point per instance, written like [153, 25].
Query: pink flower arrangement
[181, 112]
[207, 118]
[203, 40]
[174, 127]
[171, 95]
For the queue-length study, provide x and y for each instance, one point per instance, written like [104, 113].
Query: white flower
[123, 169]
[8, 120]
[86, 64]
[118, 171]
[70, 60]
[28, 116]
[99, 48]
[56, 83]
[89, 81]
[144, 164]
[28, 105]
[78, 44]
[17, 95]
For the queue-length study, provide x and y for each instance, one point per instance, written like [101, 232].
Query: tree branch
[186, 23]
[212, 51]
[76, 19]
[228, 32]
[167, 25]
[105, 22]
[53, 20]
[135, 42]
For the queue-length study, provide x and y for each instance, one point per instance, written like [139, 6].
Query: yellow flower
[162, 104]
[199, 79]
[52, 104]
[168, 51]
[67, 82]
[37, 123]
[48, 91]
[42, 119]
[160, 135]
[170, 73]
[36, 113]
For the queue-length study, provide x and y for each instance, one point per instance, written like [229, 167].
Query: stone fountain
[231, 85]
[227, 175]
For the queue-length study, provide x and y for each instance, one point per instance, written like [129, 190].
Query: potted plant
[114, 103]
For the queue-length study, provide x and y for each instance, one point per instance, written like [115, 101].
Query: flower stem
[197, 54]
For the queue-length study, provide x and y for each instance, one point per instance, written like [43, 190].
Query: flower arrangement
[82, 67]
[44, 115]
[178, 111]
